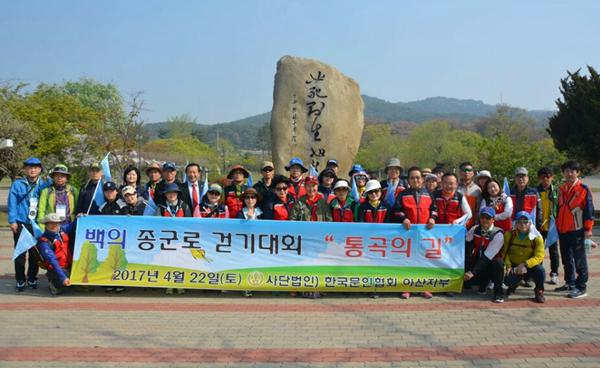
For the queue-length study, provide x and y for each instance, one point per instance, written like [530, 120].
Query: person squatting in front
[56, 257]
[483, 255]
[523, 256]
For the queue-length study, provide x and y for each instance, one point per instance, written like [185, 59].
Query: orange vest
[61, 250]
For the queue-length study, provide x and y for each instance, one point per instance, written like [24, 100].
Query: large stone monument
[317, 115]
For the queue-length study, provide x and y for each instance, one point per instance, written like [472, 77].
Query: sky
[216, 60]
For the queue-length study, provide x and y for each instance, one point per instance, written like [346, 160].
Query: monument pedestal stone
[317, 115]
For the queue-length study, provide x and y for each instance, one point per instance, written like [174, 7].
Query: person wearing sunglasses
[326, 179]
[280, 201]
[549, 199]
[524, 197]
[468, 188]
[263, 186]
[212, 204]
[251, 209]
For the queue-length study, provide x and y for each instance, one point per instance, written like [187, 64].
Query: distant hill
[243, 133]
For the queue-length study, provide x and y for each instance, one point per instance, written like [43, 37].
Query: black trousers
[554, 255]
[32, 269]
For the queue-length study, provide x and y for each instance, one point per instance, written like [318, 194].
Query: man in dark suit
[191, 190]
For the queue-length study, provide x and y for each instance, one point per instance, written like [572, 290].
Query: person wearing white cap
[53, 247]
[482, 178]
[343, 205]
[134, 206]
[373, 209]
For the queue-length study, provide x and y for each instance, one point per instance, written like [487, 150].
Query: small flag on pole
[25, 242]
[505, 187]
[354, 191]
[250, 181]
[312, 171]
[99, 194]
[552, 236]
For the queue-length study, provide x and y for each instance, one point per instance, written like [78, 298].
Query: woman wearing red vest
[483, 256]
[53, 246]
[452, 206]
[312, 206]
[343, 206]
[373, 209]
[234, 191]
[280, 202]
[212, 204]
[494, 197]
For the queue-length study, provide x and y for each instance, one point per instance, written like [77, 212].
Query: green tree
[377, 145]
[115, 260]
[575, 128]
[182, 150]
[511, 121]
[87, 262]
[180, 126]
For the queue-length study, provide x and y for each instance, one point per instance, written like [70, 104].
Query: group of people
[506, 232]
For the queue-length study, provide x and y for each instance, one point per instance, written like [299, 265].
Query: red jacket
[368, 213]
[343, 213]
[575, 208]
[299, 192]
[233, 202]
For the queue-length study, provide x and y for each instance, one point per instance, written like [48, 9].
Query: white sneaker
[554, 279]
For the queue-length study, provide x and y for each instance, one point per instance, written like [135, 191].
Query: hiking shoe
[180, 291]
[427, 295]
[553, 279]
[109, 289]
[482, 290]
[510, 290]
[119, 289]
[169, 291]
[576, 294]
[539, 296]
[20, 286]
[32, 284]
[374, 296]
[247, 293]
[498, 298]
[565, 287]
[490, 285]
[526, 283]
[405, 295]
[54, 290]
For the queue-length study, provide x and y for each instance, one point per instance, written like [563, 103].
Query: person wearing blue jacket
[23, 201]
[54, 249]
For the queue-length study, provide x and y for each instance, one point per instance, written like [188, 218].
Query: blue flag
[390, 196]
[26, 241]
[552, 236]
[312, 171]
[354, 191]
[204, 186]
[151, 207]
[250, 181]
[99, 194]
[37, 231]
[506, 187]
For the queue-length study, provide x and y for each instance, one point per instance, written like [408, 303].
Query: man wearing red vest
[574, 221]
[415, 206]
[296, 169]
[469, 189]
[53, 246]
[452, 206]
[525, 198]
[484, 254]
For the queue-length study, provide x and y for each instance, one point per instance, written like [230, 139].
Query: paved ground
[149, 329]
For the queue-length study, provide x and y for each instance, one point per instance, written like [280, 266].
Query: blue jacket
[21, 191]
[47, 253]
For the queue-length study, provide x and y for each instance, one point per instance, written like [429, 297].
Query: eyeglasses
[467, 169]
[267, 169]
[250, 197]
[375, 191]
[281, 189]
[214, 192]
[523, 221]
